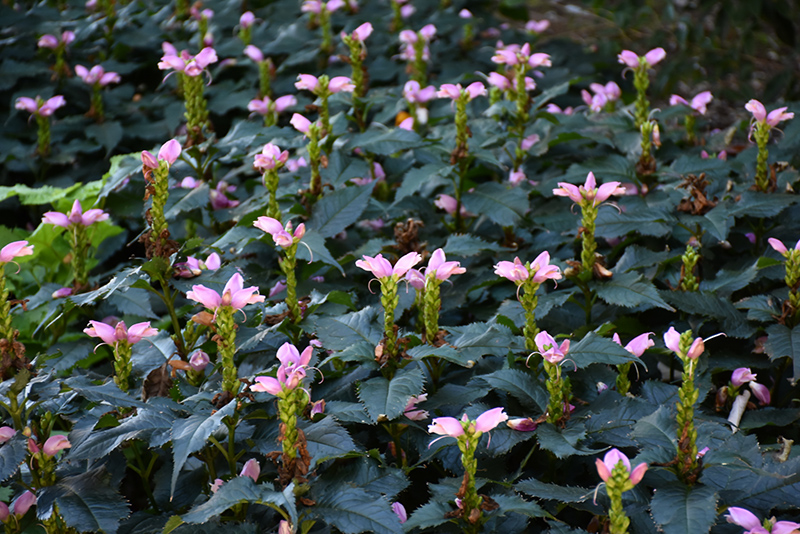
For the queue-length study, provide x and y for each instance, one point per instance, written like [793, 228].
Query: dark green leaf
[467, 245]
[108, 134]
[563, 442]
[336, 211]
[235, 491]
[597, 349]
[733, 321]
[108, 392]
[318, 251]
[145, 423]
[386, 399]
[516, 504]
[12, 454]
[519, 384]
[553, 492]
[353, 510]
[503, 205]
[784, 342]
[631, 290]
[386, 142]
[328, 439]
[681, 509]
[428, 515]
[613, 223]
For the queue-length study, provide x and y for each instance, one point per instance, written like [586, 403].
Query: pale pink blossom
[746, 519]
[362, 32]
[781, 248]
[516, 177]
[251, 469]
[772, 119]
[55, 443]
[549, 349]
[53, 42]
[194, 266]
[6, 433]
[411, 411]
[295, 164]
[610, 461]
[416, 95]
[651, 58]
[537, 26]
[37, 106]
[234, 294]
[283, 236]
[637, 345]
[76, 216]
[495, 79]
[416, 279]
[450, 426]
[218, 198]
[279, 286]
[254, 53]
[300, 123]
[247, 19]
[589, 191]
[112, 335]
[199, 360]
[97, 75]
[514, 271]
[15, 249]
[699, 103]
[271, 157]
[23, 503]
[555, 110]
[400, 512]
[741, 376]
[528, 142]
[442, 268]
[188, 64]
[473, 90]
[540, 270]
[169, 152]
[382, 268]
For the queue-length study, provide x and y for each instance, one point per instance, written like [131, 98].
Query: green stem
[288, 265]
[226, 345]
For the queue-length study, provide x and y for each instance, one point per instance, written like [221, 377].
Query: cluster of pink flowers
[699, 103]
[185, 62]
[409, 38]
[270, 157]
[52, 42]
[38, 107]
[315, 6]
[382, 268]
[194, 267]
[770, 119]
[291, 371]
[112, 335]
[234, 294]
[75, 216]
[549, 349]
[601, 95]
[589, 192]
[282, 235]
[454, 91]
[452, 427]
[265, 106]
[650, 59]
[169, 152]
[610, 461]
[336, 84]
[672, 339]
[219, 198]
[514, 54]
[538, 271]
[96, 75]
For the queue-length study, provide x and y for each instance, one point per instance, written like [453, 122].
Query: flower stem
[288, 264]
[226, 346]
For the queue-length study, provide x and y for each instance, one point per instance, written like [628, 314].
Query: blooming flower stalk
[603, 97]
[414, 49]
[528, 277]
[560, 391]
[518, 59]
[156, 176]
[467, 434]
[588, 197]
[288, 241]
[189, 69]
[792, 266]
[641, 80]
[97, 78]
[760, 126]
[437, 271]
[121, 340]
[698, 105]
[746, 519]
[389, 276]
[314, 132]
[323, 87]
[358, 53]
[59, 47]
[234, 297]
[270, 161]
[13, 250]
[266, 70]
[270, 109]
[689, 259]
[321, 10]
[636, 346]
[292, 398]
[461, 96]
[615, 470]
[77, 223]
[41, 110]
[688, 350]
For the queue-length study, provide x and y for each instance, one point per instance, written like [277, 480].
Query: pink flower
[540, 269]
[188, 64]
[772, 119]
[535, 26]
[416, 279]
[522, 424]
[447, 203]
[53, 42]
[279, 286]
[781, 248]
[75, 216]
[400, 512]
[169, 152]
[415, 95]
[317, 408]
[381, 268]
[528, 142]
[549, 349]
[233, 294]
[311, 6]
[589, 191]
[473, 90]
[637, 345]
[15, 249]
[23, 503]
[761, 392]
[306, 81]
[6, 433]
[40, 107]
[341, 83]
[490, 419]
[514, 271]
[4, 512]
[744, 518]
[698, 103]
[216, 485]
[55, 443]
[283, 237]
[97, 75]
[495, 79]
[672, 339]
[295, 164]
[247, 19]
[539, 60]
[412, 412]
[300, 123]
[651, 58]
[362, 32]
[741, 376]
[219, 200]
[194, 267]
[441, 268]
[290, 357]
[254, 53]
[517, 177]
[267, 384]
[199, 360]
[112, 335]
[251, 469]
[612, 459]
[446, 426]
[555, 110]
[270, 158]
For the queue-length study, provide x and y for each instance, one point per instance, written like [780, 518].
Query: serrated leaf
[235, 491]
[30, 196]
[614, 224]
[502, 205]
[467, 245]
[597, 349]
[133, 301]
[630, 290]
[519, 384]
[318, 252]
[416, 179]
[108, 393]
[336, 211]
[12, 455]
[107, 133]
[657, 431]
[516, 504]
[340, 333]
[140, 426]
[733, 321]
[784, 342]
[681, 509]
[386, 399]
[726, 282]
[387, 142]
[427, 516]
[563, 442]
[86, 502]
[553, 492]
[194, 199]
[327, 439]
[190, 435]
[353, 510]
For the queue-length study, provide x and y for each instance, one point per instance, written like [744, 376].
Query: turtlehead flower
[414, 94]
[412, 412]
[6, 433]
[589, 192]
[742, 376]
[53, 42]
[442, 269]
[251, 469]
[300, 123]
[555, 110]
[96, 76]
[362, 32]
[400, 511]
[290, 373]
[449, 204]
[169, 152]
[265, 106]
[522, 424]
[279, 286]
[199, 360]
[39, 107]
[699, 103]
[772, 119]
[247, 19]
[15, 249]
[650, 59]
[187, 63]
[746, 519]
[537, 26]
[450, 426]
[672, 339]
[540, 269]
[270, 158]
[282, 236]
[381, 268]
[55, 443]
[23, 503]
[75, 216]
[516, 177]
[254, 53]
[315, 6]
[336, 84]
[610, 461]
[113, 335]
[454, 91]
[637, 345]
[528, 142]
[234, 294]
[549, 349]
[194, 267]
[218, 198]
[781, 248]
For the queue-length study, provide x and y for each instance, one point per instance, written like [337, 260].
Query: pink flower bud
[341, 83]
[400, 511]
[516, 177]
[300, 123]
[23, 503]
[247, 19]
[15, 249]
[362, 32]
[4, 513]
[55, 443]
[523, 424]
[251, 469]
[199, 360]
[6, 433]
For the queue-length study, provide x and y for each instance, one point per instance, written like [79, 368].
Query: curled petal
[761, 392]
[628, 58]
[267, 384]
[757, 109]
[104, 331]
[741, 376]
[15, 249]
[490, 419]
[446, 426]
[55, 443]
[139, 331]
[743, 518]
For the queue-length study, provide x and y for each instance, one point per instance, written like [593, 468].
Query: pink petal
[761, 392]
[139, 331]
[626, 57]
[774, 243]
[490, 419]
[672, 339]
[254, 53]
[743, 518]
[170, 151]
[205, 296]
[639, 344]
[104, 331]
[741, 376]
[602, 470]
[267, 384]
[16, 249]
[655, 55]
[341, 83]
[306, 81]
[363, 31]
[638, 473]
[446, 426]
[757, 109]
[55, 443]
[405, 263]
[300, 123]
[565, 189]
